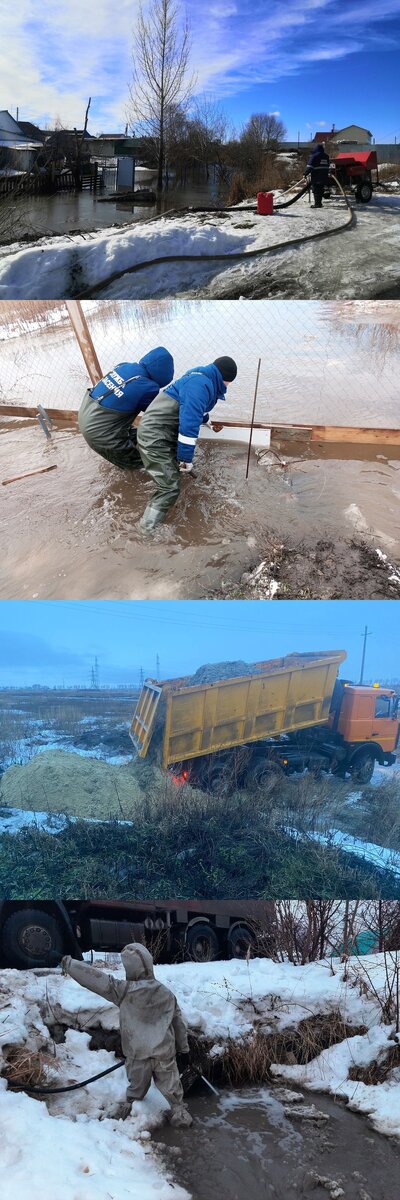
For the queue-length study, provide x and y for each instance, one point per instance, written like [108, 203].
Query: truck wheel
[241, 941]
[364, 191]
[262, 772]
[218, 780]
[362, 767]
[32, 938]
[202, 943]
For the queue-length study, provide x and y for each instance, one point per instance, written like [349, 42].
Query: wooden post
[83, 337]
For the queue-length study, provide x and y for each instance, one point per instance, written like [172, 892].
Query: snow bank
[67, 266]
[330, 1073]
[381, 856]
[85, 1152]
[219, 1000]
[75, 1160]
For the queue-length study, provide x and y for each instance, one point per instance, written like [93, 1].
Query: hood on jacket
[159, 365]
[137, 961]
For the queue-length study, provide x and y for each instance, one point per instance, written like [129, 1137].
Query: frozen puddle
[255, 1144]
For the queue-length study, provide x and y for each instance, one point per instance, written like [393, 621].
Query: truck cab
[366, 714]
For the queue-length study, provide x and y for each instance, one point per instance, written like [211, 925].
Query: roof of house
[323, 137]
[12, 136]
[32, 131]
[339, 132]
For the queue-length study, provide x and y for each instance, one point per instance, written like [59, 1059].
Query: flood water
[73, 532]
[72, 212]
[243, 1145]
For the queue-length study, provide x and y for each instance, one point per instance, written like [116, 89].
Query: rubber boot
[180, 1117]
[157, 440]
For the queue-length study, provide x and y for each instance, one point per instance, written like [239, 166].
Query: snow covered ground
[381, 856]
[73, 1148]
[67, 266]
[360, 262]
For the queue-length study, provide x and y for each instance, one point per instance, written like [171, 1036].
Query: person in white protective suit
[153, 1031]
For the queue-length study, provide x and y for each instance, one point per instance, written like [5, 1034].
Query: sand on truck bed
[211, 672]
[62, 781]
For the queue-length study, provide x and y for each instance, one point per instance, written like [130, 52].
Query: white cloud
[54, 55]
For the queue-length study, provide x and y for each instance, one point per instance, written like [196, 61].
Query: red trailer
[357, 171]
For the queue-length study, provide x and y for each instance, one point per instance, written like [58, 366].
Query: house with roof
[352, 136]
[18, 148]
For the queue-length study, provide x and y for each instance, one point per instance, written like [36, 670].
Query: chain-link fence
[333, 363]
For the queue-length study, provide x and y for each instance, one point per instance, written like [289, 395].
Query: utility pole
[365, 635]
[158, 666]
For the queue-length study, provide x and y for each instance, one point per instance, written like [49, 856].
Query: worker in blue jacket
[317, 169]
[169, 429]
[108, 409]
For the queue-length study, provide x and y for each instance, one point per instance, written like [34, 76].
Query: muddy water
[243, 1145]
[73, 533]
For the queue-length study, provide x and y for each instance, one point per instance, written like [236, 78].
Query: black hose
[236, 256]
[72, 1087]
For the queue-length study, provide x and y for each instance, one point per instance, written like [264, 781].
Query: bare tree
[261, 135]
[209, 125]
[79, 147]
[161, 79]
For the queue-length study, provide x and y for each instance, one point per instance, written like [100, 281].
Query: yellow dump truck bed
[288, 694]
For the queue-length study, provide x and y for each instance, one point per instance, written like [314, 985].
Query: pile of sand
[211, 672]
[62, 781]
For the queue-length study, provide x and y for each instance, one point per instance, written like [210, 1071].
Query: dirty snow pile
[87, 1152]
[61, 1149]
[67, 266]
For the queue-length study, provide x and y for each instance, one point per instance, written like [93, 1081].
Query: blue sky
[52, 642]
[315, 62]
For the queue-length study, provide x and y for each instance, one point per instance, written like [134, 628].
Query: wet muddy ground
[250, 1144]
[73, 532]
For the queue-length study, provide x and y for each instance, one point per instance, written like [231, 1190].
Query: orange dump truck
[288, 714]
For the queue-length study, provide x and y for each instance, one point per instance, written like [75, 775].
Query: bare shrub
[390, 172]
[27, 1068]
[249, 1060]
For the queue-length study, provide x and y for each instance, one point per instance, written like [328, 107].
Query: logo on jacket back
[112, 380]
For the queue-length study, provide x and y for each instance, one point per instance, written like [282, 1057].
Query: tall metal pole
[366, 635]
[252, 418]
[83, 337]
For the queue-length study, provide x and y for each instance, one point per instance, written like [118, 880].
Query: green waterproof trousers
[157, 440]
[109, 433]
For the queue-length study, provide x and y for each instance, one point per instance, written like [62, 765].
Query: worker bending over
[152, 1027]
[109, 408]
[168, 431]
[318, 168]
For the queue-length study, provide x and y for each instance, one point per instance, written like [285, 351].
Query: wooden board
[317, 433]
[24, 410]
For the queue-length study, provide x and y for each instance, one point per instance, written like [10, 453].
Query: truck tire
[202, 943]
[364, 191]
[32, 938]
[218, 780]
[262, 772]
[362, 767]
[241, 940]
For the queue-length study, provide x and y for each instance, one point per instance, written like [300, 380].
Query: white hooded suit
[152, 1027]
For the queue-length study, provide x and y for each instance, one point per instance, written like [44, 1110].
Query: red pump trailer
[357, 170]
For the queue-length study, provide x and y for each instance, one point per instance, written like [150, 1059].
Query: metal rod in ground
[253, 418]
[43, 425]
